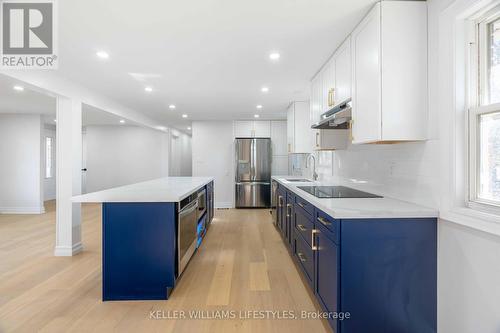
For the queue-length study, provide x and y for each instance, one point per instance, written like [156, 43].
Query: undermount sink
[299, 180]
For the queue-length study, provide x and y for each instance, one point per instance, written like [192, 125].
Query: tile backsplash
[407, 171]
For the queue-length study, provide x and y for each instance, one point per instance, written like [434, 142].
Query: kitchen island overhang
[140, 235]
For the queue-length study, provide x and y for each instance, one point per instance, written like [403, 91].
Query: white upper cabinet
[342, 60]
[366, 72]
[262, 129]
[299, 128]
[328, 89]
[252, 129]
[243, 129]
[279, 137]
[389, 72]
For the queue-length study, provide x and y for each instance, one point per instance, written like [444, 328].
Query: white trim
[22, 210]
[66, 251]
[473, 219]
[224, 205]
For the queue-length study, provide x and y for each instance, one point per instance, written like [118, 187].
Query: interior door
[243, 160]
[260, 160]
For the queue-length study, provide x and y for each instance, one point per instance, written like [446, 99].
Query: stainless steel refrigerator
[253, 172]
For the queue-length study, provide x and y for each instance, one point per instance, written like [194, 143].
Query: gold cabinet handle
[301, 257]
[301, 205]
[287, 210]
[313, 246]
[317, 137]
[280, 201]
[301, 227]
[324, 222]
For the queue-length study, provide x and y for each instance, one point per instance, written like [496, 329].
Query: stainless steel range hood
[336, 118]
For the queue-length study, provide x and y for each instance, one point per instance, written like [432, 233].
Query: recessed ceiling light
[102, 54]
[256, 116]
[274, 56]
[184, 116]
[264, 89]
[122, 121]
[55, 120]
[18, 88]
[171, 106]
[189, 128]
[148, 89]
[259, 106]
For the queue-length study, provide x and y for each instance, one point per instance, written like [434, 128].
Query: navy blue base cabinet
[383, 272]
[138, 250]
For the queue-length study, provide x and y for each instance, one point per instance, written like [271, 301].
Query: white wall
[180, 161]
[121, 155]
[213, 154]
[49, 184]
[468, 259]
[21, 189]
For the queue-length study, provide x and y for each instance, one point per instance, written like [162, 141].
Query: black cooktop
[336, 192]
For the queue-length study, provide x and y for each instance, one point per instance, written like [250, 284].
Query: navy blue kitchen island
[142, 252]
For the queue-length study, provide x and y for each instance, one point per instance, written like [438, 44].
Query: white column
[69, 176]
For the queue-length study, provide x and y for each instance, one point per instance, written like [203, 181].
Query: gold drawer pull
[301, 227]
[302, 205]
[324, 222]
[301, 257]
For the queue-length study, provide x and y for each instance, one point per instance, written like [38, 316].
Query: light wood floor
[242, 265]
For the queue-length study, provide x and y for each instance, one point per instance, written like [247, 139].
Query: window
[484, 113]
[48, 157]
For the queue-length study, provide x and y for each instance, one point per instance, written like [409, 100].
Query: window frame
[478, 102]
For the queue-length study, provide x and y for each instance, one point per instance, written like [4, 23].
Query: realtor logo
[28, 34]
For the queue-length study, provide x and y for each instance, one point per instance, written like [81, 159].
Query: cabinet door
[316, 98]
[262, 129]
[365, 42]
[327, 277]
[343, 72]
[290, 124]
[279, 137]
[243, 129]
[302, 130]
[327, 91]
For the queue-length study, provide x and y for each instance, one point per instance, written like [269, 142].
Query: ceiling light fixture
[274, 56]
[184, 116]
[171, 107]
[264, 89]
[18, 88]
[122, 121]
[256, 116]
[55, 120]
[148, 89]
[102, 54]
[189, 128]
[259, 106]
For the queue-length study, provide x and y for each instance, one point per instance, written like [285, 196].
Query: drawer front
[303, 224]
[304, 255]
[329, 224]
[306, 206]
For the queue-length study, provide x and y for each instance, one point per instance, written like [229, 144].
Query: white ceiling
[208, 57]
[33, 102]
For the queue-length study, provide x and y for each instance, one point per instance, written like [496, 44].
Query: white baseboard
[224, 205]
[22, 210]
[68, 251]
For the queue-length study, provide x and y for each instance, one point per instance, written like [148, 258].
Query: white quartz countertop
[357, 208]
[168, 189]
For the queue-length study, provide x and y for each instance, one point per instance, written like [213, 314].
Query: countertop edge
[425, 211]
[177, 198]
